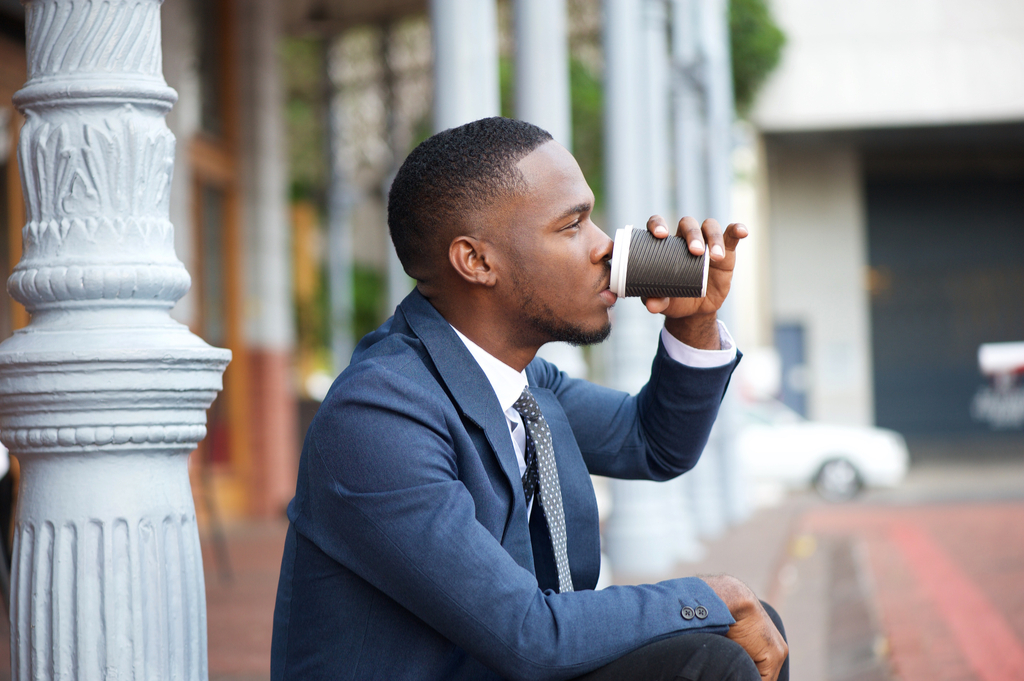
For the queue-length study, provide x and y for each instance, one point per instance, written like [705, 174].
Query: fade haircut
[448, 175]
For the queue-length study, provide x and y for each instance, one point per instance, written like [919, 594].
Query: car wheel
[837, 480]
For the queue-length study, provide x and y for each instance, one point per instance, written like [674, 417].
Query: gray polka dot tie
[541, 454]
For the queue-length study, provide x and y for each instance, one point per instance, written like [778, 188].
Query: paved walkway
[925, 583]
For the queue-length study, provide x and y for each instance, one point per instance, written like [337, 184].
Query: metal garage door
[947, 258]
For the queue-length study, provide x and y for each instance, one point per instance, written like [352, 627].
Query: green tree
[756, 48]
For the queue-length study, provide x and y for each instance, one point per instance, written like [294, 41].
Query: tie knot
[527, 405]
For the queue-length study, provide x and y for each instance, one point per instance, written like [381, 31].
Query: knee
[722, 659]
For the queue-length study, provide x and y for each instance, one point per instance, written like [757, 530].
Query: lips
[607, 295]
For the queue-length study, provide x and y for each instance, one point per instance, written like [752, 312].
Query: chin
[553, 328]
[579, 336]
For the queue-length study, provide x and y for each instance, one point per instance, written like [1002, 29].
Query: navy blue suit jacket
[410, 554]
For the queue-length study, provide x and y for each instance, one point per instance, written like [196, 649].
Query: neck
[486, 324]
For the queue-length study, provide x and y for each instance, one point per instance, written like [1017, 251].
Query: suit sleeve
[382, 496]
[654, 435]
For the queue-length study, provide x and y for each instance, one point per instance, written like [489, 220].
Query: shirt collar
[507, 383]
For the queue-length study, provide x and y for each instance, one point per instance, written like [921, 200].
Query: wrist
[737, 596]
[698, 330]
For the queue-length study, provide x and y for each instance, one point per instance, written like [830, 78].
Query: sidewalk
[924, 583]
[240, 610]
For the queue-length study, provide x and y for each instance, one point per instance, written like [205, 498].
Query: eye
[571, 226]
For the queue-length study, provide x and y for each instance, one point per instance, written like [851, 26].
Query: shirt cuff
[701, 359]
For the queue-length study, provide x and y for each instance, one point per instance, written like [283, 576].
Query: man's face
[559, 259]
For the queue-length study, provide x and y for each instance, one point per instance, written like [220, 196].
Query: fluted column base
[108, 572]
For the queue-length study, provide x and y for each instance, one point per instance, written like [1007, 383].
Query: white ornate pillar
[103, 395]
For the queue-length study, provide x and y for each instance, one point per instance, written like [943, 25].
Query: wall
[818, 256]
[864, 63]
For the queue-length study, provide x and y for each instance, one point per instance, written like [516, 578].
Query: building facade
[893, 155]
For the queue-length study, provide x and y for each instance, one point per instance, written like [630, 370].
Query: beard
[553, 330]
[541, 321]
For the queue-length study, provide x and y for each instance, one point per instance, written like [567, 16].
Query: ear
[472, 260]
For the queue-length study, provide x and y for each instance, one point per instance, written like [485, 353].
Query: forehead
[553, 179]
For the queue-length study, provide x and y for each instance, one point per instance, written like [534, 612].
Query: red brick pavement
[240, 610]
[949, 584]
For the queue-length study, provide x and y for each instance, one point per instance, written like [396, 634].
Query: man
[444, 524]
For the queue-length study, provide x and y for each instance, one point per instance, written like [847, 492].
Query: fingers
[657, 305]
[774, 651]
[765, 645]
[657, 226]
[753, 630]
[733, 234]
[713, 236]
[697, 234]
[689, 229]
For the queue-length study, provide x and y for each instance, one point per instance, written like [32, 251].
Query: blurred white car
[779, 447]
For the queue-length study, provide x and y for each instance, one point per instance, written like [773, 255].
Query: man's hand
[754, 630]
[694, 320]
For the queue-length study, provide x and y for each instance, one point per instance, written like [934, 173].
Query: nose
[602, 248]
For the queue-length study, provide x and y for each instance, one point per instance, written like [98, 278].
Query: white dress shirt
[508, 383]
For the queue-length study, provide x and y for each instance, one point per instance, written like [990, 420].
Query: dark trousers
[688, 657]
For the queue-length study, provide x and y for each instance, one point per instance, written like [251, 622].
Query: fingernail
[696, 245]
[661, 229]
[717, 250]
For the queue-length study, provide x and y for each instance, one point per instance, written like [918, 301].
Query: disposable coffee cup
[644, 265]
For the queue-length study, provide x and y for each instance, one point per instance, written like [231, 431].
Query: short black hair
[453, 171]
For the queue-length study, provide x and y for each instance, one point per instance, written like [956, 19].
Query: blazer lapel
[476, 400]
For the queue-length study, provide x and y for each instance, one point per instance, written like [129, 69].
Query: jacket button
[701, 613]
[688, 613]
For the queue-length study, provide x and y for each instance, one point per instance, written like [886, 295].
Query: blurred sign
[1000, 404]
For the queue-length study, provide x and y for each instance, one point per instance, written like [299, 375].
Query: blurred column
[542, 67]
[687, 108]
[543, 98]
[720, 116]
[270, 315]
[339, 228]
[399, 140]
[657, 186]
[102, 395]
[643, 533]
[704, 483]
[465, 38]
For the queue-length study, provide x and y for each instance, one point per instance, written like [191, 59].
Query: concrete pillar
[465, 38]
[543, 98]
[270, 315]
[399, 139]
[687, 104]
[720, 117]
[645, 534]
[705, 498]
[657, 164]
[340, 199]
[102, 395]
[542, 67]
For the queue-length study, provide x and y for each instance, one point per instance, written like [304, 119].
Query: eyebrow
[578, 208]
